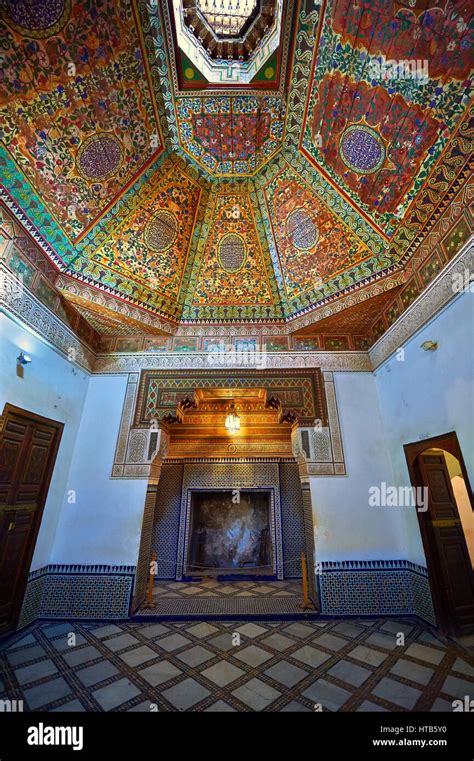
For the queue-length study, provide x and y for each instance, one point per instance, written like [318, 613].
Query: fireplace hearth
[229, 533]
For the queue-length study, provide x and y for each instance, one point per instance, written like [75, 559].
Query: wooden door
[28, 448]
[447, 554]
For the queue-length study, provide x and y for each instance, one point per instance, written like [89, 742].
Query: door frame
[449, 442]
[10, 410]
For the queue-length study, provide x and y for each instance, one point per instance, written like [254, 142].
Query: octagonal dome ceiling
[223, 162]
[228, 40]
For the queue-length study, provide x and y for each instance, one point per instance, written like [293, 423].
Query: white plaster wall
[346, 526]
[430, 393]
[52, 387]
[425, 395]
[104, 524]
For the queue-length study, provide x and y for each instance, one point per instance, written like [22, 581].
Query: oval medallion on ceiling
[301, 229]
[161, 231]
[232, 252]
[362, 149]
[99, 156]
[37, 18]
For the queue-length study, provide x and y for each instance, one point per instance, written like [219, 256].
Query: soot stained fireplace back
[229, 533]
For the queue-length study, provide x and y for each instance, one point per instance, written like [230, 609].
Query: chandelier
[226, 18]
[232, 421]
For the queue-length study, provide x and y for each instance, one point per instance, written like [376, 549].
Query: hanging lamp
[232, 421]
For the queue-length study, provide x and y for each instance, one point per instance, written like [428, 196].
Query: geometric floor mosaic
[210, 597]
[342, 665]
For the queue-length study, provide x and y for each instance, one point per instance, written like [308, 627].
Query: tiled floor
[234, 598]
[354, 665]
[214, 588]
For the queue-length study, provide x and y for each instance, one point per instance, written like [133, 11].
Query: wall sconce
[23, 359]
[429, 345]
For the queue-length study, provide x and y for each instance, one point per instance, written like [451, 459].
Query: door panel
[28, 448]
[15, 530]
[447, 553]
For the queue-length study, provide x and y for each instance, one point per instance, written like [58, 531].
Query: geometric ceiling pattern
[251, 199]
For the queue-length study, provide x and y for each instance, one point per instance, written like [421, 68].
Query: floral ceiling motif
[368, 139]
[388, 84]
[77, 115]
[313, 244]
[232, 201]
[231, 135]
[151, 244]
[234, 272]
[415, 29]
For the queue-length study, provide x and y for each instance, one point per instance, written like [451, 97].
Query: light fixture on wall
[429, 345]
[232, 421]
[23, 359]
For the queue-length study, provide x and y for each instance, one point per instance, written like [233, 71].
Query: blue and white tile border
[375, 587]
[78, 591]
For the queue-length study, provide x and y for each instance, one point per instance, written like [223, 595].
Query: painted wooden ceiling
[200, 202]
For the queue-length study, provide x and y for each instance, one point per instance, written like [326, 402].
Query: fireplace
[230, 532]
